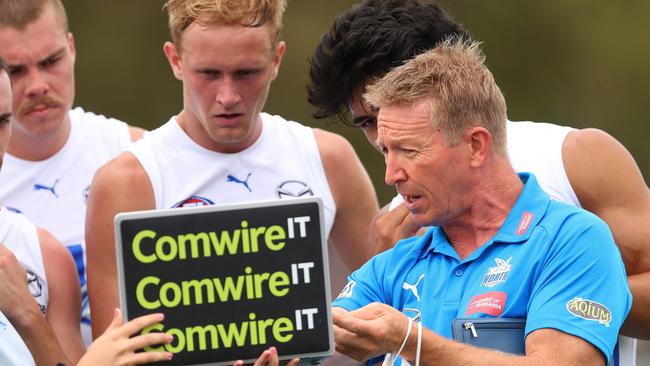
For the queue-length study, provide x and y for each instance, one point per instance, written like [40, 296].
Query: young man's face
[364, 116]
[41, 62]
[226, 71]
[5, 113]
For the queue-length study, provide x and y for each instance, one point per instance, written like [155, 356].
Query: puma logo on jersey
[43, 187]
[413, 288]
[232, 178]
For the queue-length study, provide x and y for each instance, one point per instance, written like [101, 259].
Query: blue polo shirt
[554, 264]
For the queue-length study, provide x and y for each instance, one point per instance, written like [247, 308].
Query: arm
[608, 182]
[116, 348]
[356, 202]
[120, 185]
[24, 313]
[64, 303]
[377, 329]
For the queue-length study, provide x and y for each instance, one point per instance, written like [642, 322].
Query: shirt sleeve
[582, 287]
[365, 285]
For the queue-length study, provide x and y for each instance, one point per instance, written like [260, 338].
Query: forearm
[104, 298]
[437, 350]
[637, 323]
[39, 337]
[550, 348]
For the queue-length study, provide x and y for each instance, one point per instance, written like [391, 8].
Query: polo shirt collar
[527, 212]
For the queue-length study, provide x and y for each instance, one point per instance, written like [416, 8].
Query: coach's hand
[368, 332]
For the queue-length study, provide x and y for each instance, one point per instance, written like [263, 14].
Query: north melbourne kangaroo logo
[413, 288]
[52, 189]
[232, 178]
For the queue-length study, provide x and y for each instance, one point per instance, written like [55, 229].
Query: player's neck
[37, 147]
[195, 131]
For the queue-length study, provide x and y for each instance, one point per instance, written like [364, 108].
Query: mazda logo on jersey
[34, 285]
[293, 188]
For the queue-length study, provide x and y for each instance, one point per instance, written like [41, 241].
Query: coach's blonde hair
[251, 13]
[461, 90]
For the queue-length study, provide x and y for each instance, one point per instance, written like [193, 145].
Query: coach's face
[430, 174]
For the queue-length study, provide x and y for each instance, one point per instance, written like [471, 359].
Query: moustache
[45, 101]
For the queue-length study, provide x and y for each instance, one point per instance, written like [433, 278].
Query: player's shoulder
[536, 131]
[93, 120]
[584, 142]
[53, 251]
[332, 145]
[125, 169]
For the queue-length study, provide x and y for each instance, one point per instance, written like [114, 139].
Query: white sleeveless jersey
[284, 162]
[13, 351]
[52, 193]
[537, 148]
[20, 236]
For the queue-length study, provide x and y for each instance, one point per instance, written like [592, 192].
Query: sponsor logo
[497, 275]
[293, 188]
[347, 290]
[193, 201]
[43, 187]
[232, 178]
[414, 287]
[589, 310]
[36, 289]
[524, 224]
[491, 303]
[84, 194]
[33, 284]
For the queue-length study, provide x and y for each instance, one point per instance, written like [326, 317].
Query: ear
[174, 59]
[277, 58]
[73, 50]
[479, 142]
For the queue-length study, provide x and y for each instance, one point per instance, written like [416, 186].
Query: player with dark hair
[372, 37]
